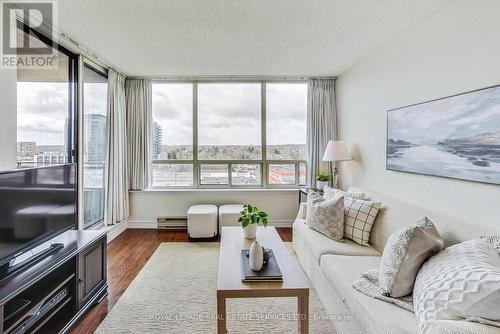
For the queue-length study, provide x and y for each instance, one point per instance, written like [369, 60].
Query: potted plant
[250, 218]
[322, 179]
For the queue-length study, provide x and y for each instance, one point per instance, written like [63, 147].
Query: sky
[42, 109]
[229, 114]
[461, 116]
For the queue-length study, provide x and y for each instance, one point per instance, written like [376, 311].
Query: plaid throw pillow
[359, 217]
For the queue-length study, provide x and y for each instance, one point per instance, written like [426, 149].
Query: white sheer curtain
[321, 125]
[138, 96]
[117, 205]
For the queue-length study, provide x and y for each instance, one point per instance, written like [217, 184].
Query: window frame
[86, 63]
[263, 162]
[73, 89]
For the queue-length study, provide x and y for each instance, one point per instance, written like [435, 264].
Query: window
[214, 174]
[282, 174]
[229, 122]
[286, 121]
[246, 174]
[229, 134]
[46, 109]
[172, 135]
[95, 89]
[173, 175]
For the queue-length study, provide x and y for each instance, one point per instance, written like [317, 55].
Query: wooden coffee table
[229, 284]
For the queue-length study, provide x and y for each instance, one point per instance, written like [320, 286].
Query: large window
[172, 135]
[226, 134]
[229, 125]
[46, 109]
[95, 88]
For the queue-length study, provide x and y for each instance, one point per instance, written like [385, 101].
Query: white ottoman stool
[229, 214]
[202, 221]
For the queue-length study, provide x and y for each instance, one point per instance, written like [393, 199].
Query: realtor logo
[21, 49]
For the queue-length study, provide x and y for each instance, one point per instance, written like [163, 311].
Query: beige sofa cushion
[318, 244]
[342, 271]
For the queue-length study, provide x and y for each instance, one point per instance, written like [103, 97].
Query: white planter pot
[250, 231]
[321, 184]
[256, 256]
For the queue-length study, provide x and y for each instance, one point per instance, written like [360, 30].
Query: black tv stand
[52, 290]
[7, 271]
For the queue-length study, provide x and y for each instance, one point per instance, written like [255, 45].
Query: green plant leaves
[252, 215]
[322, 176]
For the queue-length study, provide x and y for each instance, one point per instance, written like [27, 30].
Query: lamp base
[334, 171]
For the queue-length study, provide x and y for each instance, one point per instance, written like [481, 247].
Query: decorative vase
[321, 184]
[250, 231]
[256, 256]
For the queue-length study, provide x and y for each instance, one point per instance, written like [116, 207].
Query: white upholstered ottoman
[229, 214]
[202, 221]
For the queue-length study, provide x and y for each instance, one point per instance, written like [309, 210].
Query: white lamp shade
[336, 151]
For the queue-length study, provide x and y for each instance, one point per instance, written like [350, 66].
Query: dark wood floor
[127, 254]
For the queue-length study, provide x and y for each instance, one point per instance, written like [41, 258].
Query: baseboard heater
[165, 223]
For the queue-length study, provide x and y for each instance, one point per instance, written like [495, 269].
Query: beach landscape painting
[456, 137]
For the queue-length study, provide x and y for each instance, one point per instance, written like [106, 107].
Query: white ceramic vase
[321, 184]
[250, 231]
[256, 256]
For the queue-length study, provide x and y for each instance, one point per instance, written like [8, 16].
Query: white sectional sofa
[333, 266]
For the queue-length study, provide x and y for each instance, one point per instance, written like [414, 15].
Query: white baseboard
[154, 224]
[145, 224]
[281, 223]
[116, 230]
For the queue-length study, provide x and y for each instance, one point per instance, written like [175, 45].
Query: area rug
[175, 292]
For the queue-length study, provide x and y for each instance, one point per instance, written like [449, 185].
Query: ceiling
[238, 37]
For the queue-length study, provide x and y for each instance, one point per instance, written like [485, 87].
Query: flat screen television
[36, 205]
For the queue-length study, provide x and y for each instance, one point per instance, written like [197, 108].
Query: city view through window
[229, 130]
[229, 133]
[45, 128]
[95, 89]
[43, 110]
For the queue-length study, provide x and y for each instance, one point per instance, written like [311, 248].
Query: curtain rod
[232, 77]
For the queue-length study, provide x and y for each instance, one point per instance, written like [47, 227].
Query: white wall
[146, 206]
[8, 118]
[455, 51]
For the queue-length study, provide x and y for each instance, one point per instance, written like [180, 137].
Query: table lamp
[336, 151]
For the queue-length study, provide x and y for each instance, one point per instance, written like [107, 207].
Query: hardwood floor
[127, 254]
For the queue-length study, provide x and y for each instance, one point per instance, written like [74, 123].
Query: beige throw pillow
[404, 254]
[326, 216]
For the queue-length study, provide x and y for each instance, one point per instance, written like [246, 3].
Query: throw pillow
[359, 217]
[326, 216]
[329, 192]
[404, 253]
[493, 240]
[462, 281]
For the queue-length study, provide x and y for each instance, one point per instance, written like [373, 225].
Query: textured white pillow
[460, 282]
[326, 216]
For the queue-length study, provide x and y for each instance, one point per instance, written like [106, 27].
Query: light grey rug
[175, 292]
